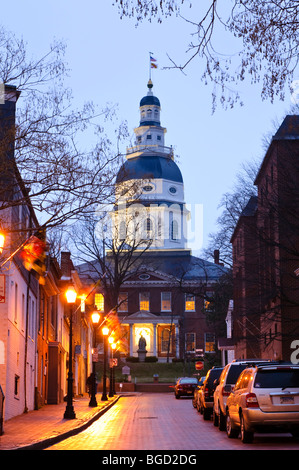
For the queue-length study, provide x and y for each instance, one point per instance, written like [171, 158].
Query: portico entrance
[160, 333]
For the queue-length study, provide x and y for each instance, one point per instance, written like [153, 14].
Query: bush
[132, 359]
[151, 359]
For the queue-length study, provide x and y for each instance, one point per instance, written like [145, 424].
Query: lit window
[190, 339]
[99, 302]
[166, 301]
[210, 343]
[190, 303]
[144, 301]
[166, 343]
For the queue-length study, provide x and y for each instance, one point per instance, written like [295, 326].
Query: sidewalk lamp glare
[69, 413]
[105, 331]
[2, 241]
[95, 318]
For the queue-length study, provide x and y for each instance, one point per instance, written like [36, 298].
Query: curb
[41, 445]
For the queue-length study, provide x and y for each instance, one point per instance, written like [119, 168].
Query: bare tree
[62, 176]
[232, 204]
[266, 36]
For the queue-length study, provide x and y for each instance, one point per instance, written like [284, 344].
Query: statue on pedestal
[142, 348]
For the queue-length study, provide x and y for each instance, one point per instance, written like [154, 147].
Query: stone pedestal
[141, 354]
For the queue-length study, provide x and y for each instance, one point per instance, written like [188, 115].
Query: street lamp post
[95, 318]
[112, 345]
[105, 332]
[69, 413]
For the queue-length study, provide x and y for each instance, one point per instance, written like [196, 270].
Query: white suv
[226, 383]
[265, 397]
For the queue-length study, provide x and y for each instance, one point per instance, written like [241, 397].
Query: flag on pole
[33, 256]
[153, 61]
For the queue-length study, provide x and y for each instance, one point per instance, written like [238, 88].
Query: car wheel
[231, 432]
[221, 421]
[177, 396]
[215, 418]
[198, 407]
[206, 414]
[246, 436]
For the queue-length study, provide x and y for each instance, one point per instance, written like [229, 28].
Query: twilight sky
[109, 62]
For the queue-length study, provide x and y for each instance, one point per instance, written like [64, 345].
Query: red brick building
[266, 254]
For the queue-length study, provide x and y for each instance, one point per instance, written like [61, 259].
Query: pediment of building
[150, 276]
[142, 315]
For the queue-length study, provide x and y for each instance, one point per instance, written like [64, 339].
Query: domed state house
[148, 275]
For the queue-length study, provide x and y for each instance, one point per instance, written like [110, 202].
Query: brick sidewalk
[46, 426]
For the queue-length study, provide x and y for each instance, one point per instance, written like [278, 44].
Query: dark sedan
[185, 386]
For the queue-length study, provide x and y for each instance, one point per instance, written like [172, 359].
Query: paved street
[160, 422]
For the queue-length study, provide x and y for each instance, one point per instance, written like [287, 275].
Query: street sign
[199, 365]
[2, 288]
[95, 355]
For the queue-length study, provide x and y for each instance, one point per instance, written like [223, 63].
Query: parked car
[196, 391]
[265, 397]
[225, 385]
[205, 396]
[185, 386]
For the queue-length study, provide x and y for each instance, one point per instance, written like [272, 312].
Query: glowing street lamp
[71, 295]
[95, 318]
[69, 413]
[105, 331]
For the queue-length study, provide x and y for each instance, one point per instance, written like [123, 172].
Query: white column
[131, 340]
[155, 340]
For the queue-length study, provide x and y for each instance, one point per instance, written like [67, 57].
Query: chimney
[216, 256]
[8, 98]
[66, 264]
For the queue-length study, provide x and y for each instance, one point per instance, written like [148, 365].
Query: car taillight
[226, 390]
[206, 392]
[251, 400]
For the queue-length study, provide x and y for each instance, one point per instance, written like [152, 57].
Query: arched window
[122, 230]
[149, 112]
[174, 227]
[148, 225]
